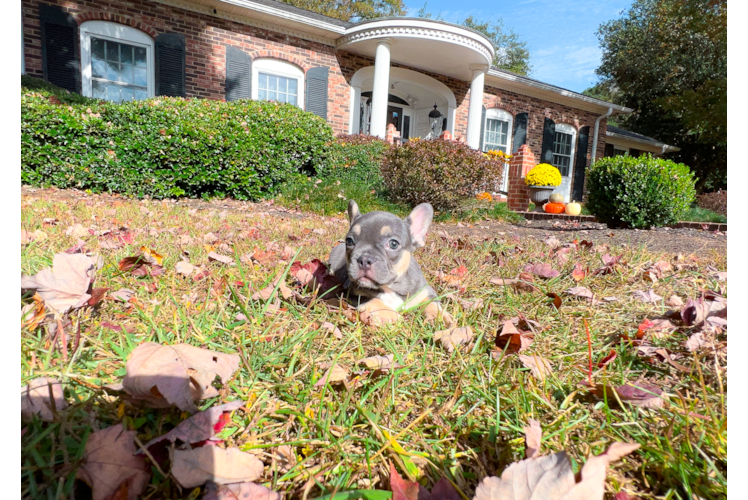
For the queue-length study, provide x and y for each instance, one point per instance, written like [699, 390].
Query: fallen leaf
[551, 476]
[402, 489]
[236, 491]
[453, 337]
[179, 375]
[533, 438]
[39, 396]
[674, 301]
[64, 286]
[264, 258]
[512, 340]
[77, 231]
[661, 328]
[647, 297]
[123, 294]
[696, 311]
[151, 256]
[97, 294]
[639, 394]
[193, 467]
[697, 341]
[518, 285]
[562, 256]
[379, 362]
[542, 270]
[184, 268]
[552, 242]
[334, 375]
[109, 460]
[223, 259]
[77, 248]
[267, 292]
[556, 300]
[538, 365]
[314, 275]
[613, 354]
[200, 426]
[578, 273]
[332, 329]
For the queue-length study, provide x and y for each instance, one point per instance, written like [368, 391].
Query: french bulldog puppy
[376, 261]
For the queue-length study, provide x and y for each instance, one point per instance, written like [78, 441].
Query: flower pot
[539, 195]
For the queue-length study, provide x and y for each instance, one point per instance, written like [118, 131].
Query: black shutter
[316, 91]
[580, 164]
[482, 127]
[170, 65]
[549, 133]
[609, 150]
[238, 74]
[634, 152]
[520, 132]
[60, 62]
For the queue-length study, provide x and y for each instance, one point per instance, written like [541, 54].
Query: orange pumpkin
[554, 208]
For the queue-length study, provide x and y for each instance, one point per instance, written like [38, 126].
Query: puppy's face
[379, 245]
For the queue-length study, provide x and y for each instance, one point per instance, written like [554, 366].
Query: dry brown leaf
[334, 375]
[453, 337]
[647, 297]
[697, 341]
[64, 286]
[179, 375]
[538, 365]
[110, 460]
[696, 311]
[379, 362]
[184, 268]
[198, 427]
[533, 438]
[512, 340]
[551, 477]
[38, 397]
[579, 272]
[123, 294]
[674, 301]
[542, 270]
[267, 292]
[194, 467]
[77, 231]
[332, 329]
[237, 491]
[580, 291]
[223, 259]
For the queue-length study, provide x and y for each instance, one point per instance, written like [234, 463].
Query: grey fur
[368, 267]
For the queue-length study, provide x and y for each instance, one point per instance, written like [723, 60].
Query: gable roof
[622, 133]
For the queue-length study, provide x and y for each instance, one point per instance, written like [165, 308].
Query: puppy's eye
[349, 242]
[393, 244]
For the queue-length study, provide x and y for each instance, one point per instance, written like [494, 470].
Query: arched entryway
[411, 96]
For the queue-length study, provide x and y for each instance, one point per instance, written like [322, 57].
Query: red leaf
[607, 359]
[402, 489]
[460, 272]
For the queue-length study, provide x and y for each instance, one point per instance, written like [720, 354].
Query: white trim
[278, 67]
[565, 128]
[412, 77]
[501, 115]
[116, 33]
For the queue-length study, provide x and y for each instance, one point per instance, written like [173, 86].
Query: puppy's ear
[353, 212]
[419, 221]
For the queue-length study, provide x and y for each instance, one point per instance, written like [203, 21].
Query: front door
[395, 117]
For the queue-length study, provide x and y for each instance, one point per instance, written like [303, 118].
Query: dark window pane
[97, 48]
[112, 51]
[126, 54]
[140, 59]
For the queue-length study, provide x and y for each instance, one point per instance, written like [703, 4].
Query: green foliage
[356, 159]
[667, 59]
[169, 147]
[698, 214]
[511, 53]
[63, 95]
[330, 197]
[639, 192]
[356, 10]
[438, 172]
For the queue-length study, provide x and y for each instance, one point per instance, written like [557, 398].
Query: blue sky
[560, 34]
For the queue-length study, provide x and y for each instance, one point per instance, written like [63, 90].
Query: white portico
[385, 94]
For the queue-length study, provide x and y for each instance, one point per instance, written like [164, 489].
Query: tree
[511, 52]
[667, 59]
[352, 10]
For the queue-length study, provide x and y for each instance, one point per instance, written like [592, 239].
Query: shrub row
[169, 147]
[356, 159]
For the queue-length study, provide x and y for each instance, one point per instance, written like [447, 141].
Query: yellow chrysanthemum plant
[543, 174]
[495, 154]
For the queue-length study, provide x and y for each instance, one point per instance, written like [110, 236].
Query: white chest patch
[390, 298]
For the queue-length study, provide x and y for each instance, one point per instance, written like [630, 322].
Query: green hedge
[169, 147]
[643, 192]
[357, 159]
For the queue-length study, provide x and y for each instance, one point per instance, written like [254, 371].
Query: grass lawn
[458, 414]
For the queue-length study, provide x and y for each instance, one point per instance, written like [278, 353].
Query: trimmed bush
[63, 95]
[356, 159]
[642, 192]
[440, 172]
[169, 147]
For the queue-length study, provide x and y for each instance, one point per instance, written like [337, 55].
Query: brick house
[421, 75]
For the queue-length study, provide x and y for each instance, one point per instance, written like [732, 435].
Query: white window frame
[504, 116]
[565, 128]
[276, 67]
[116, 33]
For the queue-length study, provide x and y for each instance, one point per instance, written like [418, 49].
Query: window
[274, 80]
[620, 151]
[498, 131]
[116, 61]
[563, 148]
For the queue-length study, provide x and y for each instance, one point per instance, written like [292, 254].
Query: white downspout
[597, 129]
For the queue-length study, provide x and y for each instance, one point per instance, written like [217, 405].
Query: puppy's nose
[365, 262]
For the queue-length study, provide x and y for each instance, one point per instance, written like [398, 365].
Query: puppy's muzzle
[366, 261]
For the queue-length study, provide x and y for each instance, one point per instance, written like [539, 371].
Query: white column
[354, 111]
[475, 110]
[380, 91]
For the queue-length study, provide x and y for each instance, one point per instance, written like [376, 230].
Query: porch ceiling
[428, 45]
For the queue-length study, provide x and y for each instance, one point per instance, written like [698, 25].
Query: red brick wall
[206, 37]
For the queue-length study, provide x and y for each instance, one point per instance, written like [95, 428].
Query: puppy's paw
[376, 313]
[435, 310]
